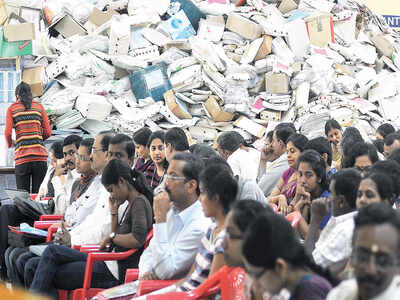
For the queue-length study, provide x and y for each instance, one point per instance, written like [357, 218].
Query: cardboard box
[99, 17]
[215, 110]
[383, 46]
[276, 83]
[287, 6]
[176, 106]
[33, 77]
[266, 47]
[244, 27]
[67, 27]
[320, 29]
[19, 32]
[297, 38]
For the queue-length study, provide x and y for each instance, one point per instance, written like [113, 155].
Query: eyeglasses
[94, 150]
[173, 177]
[382, 260]
[363, 169]
[81, 157]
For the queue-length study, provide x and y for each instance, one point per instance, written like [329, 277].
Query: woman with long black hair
[276, 260]
[32, 128]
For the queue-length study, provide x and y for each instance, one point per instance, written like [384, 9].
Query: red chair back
[294, 218]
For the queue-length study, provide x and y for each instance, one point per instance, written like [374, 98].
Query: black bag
[29, 208]
[22, 239]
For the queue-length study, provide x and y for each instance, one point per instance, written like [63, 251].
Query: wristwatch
[112, 236]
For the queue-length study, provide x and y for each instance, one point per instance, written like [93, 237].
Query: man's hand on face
[61, 168]
[161, 205]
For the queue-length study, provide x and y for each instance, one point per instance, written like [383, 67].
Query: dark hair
[379, 145]
[350, 136]
[332, 124]
[271, 237]
[142, 136]
[121, 138]
[72, 139]
[395, 155]
[283, 132]
[270, 136]
[23, 90]
[192, 167]
[385, 129]
[298, 140]
[156, 135]
[116, 168]
[390, 138]
[203, 151]
[360, 149]
[177, 138]
[322, 146]
[230, 140]
[105, 141]
[346, 184]
[217, 160]
[384, 185]
[376, 214]
[88, 143]
[57, 149]
[217, 181]
[317, 163]
[392, 169]
[285, 124]
[245, 211]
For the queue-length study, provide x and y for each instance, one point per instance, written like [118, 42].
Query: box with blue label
[179, 26]
[150, 82]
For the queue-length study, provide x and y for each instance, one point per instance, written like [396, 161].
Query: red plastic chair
[230, 281]
[51, 217]
[44, 224]
[148, 286]
[86, 292]
[294, 218]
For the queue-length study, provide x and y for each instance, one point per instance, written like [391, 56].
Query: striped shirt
[32, 127]
[149, 170]
[204, 258]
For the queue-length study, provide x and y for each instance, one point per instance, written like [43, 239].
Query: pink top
[289, 187]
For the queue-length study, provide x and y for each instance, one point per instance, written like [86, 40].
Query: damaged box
[244, 27]
[276, 83]
[214, 109]
[176, 106]
[320, 29]
[33, 77]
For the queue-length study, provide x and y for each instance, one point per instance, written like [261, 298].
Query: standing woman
[32, 127]
[333, 132]
[155, 174]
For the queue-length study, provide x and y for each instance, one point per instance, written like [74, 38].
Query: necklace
[154, 174]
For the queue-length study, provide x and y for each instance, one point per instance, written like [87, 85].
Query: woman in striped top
[32, 127]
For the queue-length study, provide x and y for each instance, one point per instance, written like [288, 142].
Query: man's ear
[281, 268]
[191, 185]
[342, 201]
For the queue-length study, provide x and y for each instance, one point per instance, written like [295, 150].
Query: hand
[63, 237]
[114, 205]
[266, 153]
[283, 206]
[61, 168]
[105, 244]
[319, 209]
[161, 206]
[148, 276]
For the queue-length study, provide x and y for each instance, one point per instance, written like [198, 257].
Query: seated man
[178, 229]
[375, 256]
[334, 243]
[10, 215]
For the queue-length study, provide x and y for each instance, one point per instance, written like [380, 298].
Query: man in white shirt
[63, 185]
[334, 243]
[375, 256]
[272, 173]
[179, 227]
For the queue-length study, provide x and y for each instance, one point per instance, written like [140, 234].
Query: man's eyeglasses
[81, 157]
[173, 177]
[363, 169]
[94, 150]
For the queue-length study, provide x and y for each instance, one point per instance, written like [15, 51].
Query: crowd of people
[213, 206]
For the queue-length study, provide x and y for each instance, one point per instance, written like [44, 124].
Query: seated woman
[333, 132]
[155, 173]
[141, 139]
[46, 189]
[361, 156]
[311, 184]
[243, 159]
[218, 190]
[350, 137]
[128, 231]
[375, 187]
[276, 260]
[285, 190]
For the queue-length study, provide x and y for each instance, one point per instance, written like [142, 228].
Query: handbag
[17, 238]
[29, 208]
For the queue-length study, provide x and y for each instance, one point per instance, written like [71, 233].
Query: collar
[189, 212]
[85, 179]
[345, 217]
[280, 158]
